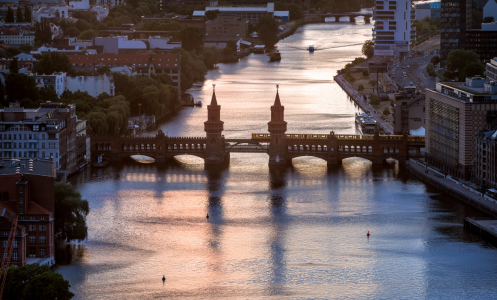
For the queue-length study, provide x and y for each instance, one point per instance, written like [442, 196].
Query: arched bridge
[214, 148]
[351, 15]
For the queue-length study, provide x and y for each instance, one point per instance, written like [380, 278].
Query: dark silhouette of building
[455, 19]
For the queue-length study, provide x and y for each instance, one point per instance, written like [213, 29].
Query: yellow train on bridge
[344, 137]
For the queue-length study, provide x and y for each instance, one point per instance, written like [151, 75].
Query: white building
[423, 10]
[101, 10]
[12, 36]
[111, 3]
[392, 29]
[80, 4]
[251, 13]
[55, 80]
[94, 85]
[490, 10]
[61, 11]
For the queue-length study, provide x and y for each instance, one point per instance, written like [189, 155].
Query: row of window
[32, 253]
[9, 136]
[25, 154]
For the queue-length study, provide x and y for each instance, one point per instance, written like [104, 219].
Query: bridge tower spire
[277, 129]
[215, 148]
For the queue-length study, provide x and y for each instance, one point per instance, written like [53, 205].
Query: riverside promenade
[362, 103]
[453, 187]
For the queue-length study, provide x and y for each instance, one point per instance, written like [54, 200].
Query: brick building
[27, 190]
[486, 157]
[227, 25]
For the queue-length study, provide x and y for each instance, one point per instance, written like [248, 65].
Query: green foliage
[9, 18]
[162, 26]
[435, 60]
[211, 14]
[372, 83]
[229, 51]
[53, 62]
[12, 51]
[70, 213]
[82, 25]
[21, 86]
[25, 48]
[295, 10]
[386, 111]
[267, 28]
[431, 70]
[426, 28]
[476, 19]
[43, 32]
[360, 88]
[375, 101]
[86, 16]
[72, 32]
[103, 70]
[211, 57]
[365, 73]
[462, 64]
[88, 34]
[35, 282]
[19, 15]
[488, 19]
[192, 38]
[27, 14]
[368, 48]
[14, 68]
[192, 68]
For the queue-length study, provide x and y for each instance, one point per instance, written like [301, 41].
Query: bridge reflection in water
[215, 149]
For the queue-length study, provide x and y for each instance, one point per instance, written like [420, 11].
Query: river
[294, 233]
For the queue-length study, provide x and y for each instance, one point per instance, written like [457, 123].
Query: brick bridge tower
[215, 148]
[277, 129]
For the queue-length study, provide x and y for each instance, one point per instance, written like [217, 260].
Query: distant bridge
[351, 15]
[281, 147]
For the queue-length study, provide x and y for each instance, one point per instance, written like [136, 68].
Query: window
[5, 244]
[36, 127]
[32, 252]
[32, 227]
[16, 244]
[32, 239]
[43, 227]
[43, 251]
[15, 256]
[43, 240]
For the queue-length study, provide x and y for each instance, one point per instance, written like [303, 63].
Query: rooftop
[27, 166]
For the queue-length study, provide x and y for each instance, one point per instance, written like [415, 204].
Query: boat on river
[311, 48]
[274, 56]
[365, 123]
[102, 162]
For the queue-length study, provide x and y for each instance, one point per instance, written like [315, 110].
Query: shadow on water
[67, 253]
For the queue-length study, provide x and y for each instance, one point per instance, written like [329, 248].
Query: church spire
[213, 100]
[277, 102]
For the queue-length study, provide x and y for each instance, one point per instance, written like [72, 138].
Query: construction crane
[7, 254]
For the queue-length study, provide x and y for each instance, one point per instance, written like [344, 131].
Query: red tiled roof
[160, 61]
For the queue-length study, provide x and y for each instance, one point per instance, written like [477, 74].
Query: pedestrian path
[359, 99]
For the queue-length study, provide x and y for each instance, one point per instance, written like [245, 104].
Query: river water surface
[293, 233]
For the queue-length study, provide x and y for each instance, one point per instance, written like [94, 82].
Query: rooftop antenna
[277, 87]
[213, 87]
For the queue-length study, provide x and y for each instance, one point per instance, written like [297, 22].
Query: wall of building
[94, 85]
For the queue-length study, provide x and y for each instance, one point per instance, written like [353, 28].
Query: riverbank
[363, 104]
[453, 187]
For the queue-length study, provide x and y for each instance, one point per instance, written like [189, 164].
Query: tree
[82, 25]
[14, 68]
[386, 111]
[488, 19]
[21, 86]
[35, 282]
[211, 14]
[435, 60]
[365, 73]
[267, 28]
[360, 88]
[26, 48]
[87, 34]
[27, 14]
[295, 10]
[372, 83]
[368, 48]
[9, 18]
[72, 32]
[375, 101]
[211, 57]
[462, 64]
[192, 38]
[430, 70]
[19, 15]
[53, 62]
[70, 213]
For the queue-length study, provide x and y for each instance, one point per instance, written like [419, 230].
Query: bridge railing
[291, 136]
[343, 137]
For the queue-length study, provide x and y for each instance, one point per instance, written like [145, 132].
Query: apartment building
[27, 191]
[392, 30]
[486, 157]
[48, 132]
[455, 20]
[456, 113]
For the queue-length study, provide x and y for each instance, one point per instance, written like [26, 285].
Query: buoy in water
[207, 216]
[367, 234]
